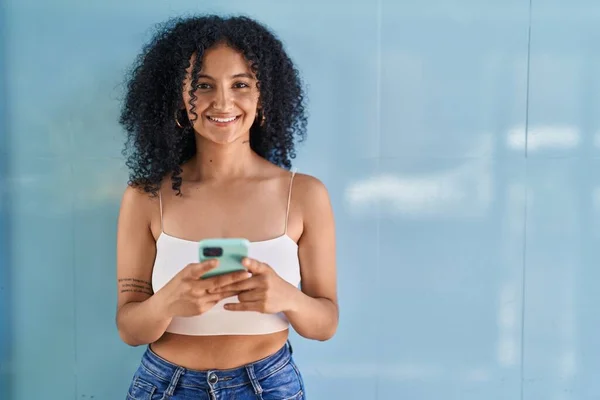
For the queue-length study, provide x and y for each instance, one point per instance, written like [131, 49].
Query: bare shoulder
[139, 210]
[134, 199]
[311, 197]
[310, 192]
[133, 196]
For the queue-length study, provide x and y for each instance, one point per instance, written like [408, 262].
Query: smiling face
[227, 96]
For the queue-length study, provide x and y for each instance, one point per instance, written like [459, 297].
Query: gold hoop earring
[261, 116]
[177, 119]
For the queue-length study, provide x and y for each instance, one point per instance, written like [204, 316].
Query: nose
[222, 101]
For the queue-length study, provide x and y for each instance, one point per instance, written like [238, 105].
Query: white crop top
[280, 253]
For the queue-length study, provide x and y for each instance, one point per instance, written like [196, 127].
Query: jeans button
[212, 378]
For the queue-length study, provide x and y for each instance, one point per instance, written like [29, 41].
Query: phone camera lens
[212, 251]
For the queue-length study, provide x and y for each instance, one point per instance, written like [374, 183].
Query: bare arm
[314, 313]
[140, 319]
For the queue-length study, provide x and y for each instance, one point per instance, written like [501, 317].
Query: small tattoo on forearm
[133, 285]
[135, 280]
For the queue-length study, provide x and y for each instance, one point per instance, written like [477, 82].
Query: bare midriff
[217, 352]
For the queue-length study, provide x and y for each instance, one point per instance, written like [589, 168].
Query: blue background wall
[459, 139]
[5, 310]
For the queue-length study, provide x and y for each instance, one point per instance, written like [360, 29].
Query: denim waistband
[215, 379]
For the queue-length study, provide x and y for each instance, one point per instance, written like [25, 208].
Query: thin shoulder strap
[287, 212]
[161, 210]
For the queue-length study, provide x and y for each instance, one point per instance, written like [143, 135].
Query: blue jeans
[275, 377]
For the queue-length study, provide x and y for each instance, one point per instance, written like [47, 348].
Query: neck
[220, 161]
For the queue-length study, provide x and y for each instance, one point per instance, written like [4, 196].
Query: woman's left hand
[264, 291]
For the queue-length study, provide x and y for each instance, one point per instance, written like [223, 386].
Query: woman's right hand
[187, 295]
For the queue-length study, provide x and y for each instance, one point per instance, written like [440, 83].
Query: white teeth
[222, 119]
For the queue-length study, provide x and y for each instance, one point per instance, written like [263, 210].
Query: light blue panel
[40, 219]
[43, 319]
[77, 54]
[561, 293]
[450, 282]
[451, 189]
[453, 78]
[561, 322]
[5, 287]
[564, 81]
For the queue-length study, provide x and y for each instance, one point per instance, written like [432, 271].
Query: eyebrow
[242, 75]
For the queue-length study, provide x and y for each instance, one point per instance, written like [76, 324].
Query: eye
[203, 86]
[241, 85]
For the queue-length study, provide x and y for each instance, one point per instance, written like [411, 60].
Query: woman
[212, 111]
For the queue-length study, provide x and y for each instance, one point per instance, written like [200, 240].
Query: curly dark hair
[156, 145]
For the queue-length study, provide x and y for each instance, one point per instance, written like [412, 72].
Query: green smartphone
[229, 252]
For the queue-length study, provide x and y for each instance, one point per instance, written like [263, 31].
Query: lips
[222, 120]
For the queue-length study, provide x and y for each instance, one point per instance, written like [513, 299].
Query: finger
[250, 296]
[220, 296]
[254, 266]
[226, 280]
[240, 286]
[196, 270]
[246, 306]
